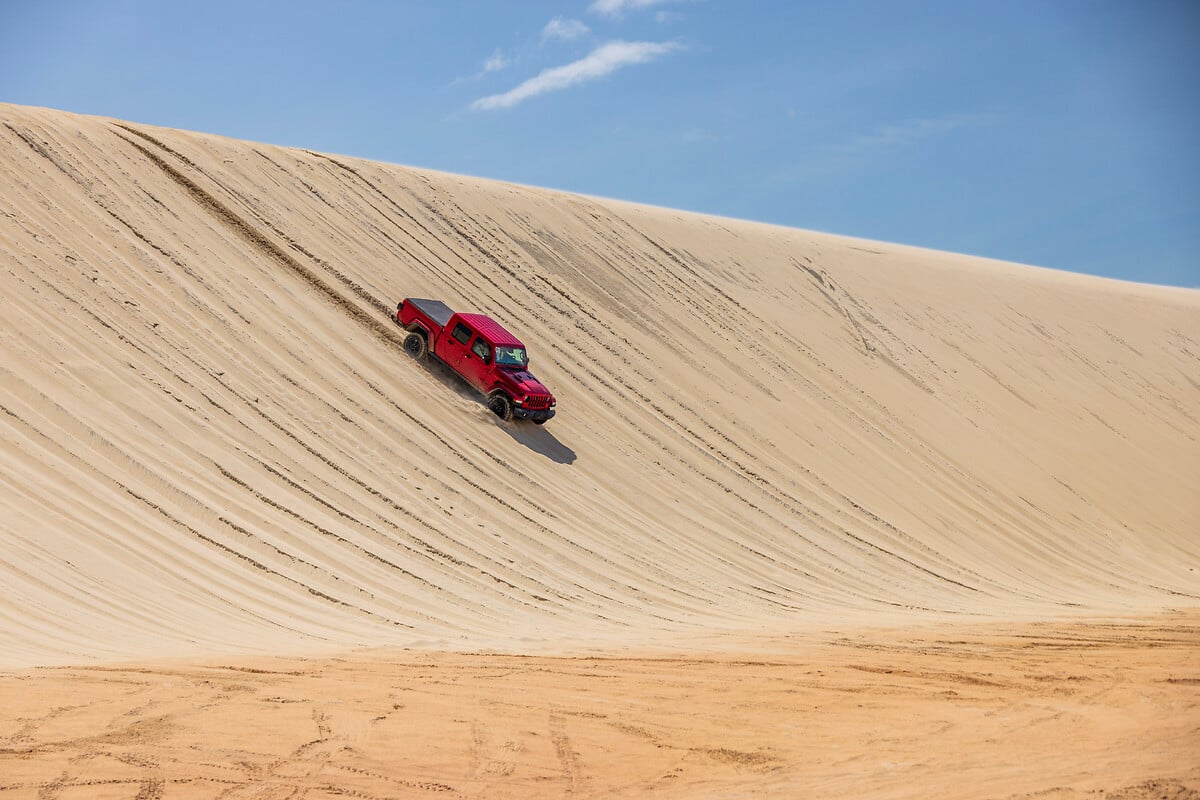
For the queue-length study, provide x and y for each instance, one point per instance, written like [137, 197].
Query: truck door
[476, 364]
[454, 345]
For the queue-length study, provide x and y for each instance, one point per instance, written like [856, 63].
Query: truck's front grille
[537, 401]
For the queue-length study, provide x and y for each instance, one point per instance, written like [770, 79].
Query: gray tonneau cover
[436, 310]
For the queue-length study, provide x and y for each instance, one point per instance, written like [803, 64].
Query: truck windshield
[511, 357]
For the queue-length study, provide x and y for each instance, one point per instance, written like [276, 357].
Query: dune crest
[212, 441]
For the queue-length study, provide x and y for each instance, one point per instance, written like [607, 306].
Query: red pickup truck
[480, 350]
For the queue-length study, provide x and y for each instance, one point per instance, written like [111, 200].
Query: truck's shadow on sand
[535, 437]
[540, 440]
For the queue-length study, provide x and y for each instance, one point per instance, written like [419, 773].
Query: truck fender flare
[417, 327]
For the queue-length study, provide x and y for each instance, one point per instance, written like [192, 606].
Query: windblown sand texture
[213, 447]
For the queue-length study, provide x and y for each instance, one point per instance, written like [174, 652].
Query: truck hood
[523, 382]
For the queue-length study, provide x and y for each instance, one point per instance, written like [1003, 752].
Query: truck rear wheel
[500, 405]
[415, 345]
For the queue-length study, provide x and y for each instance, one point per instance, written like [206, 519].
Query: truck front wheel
[415, 345]
[500, 405]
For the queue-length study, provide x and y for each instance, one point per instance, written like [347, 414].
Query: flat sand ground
[1109, 709]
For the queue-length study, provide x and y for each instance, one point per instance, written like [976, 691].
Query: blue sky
[1061, 133]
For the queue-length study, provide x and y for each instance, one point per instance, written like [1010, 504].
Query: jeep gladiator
[482, 352]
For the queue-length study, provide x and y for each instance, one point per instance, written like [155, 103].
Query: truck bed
[436, 310]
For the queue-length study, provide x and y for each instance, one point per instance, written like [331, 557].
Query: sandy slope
[211, 441]
[215, 459]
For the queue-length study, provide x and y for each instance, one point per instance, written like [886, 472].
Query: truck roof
[491, 330]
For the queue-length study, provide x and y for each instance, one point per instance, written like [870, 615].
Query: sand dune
[212, 442]
[818, 517]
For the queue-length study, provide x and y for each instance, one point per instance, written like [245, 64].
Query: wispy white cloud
[699, 135]
[883, 142]
[566, 29]
[495, 62]
[604, 60]
[615, 8]
[908, 132]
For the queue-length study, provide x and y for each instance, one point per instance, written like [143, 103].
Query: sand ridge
[212, 441]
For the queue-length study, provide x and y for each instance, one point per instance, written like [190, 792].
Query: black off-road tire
[415, 345]
[500, 405]
[539, 422]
